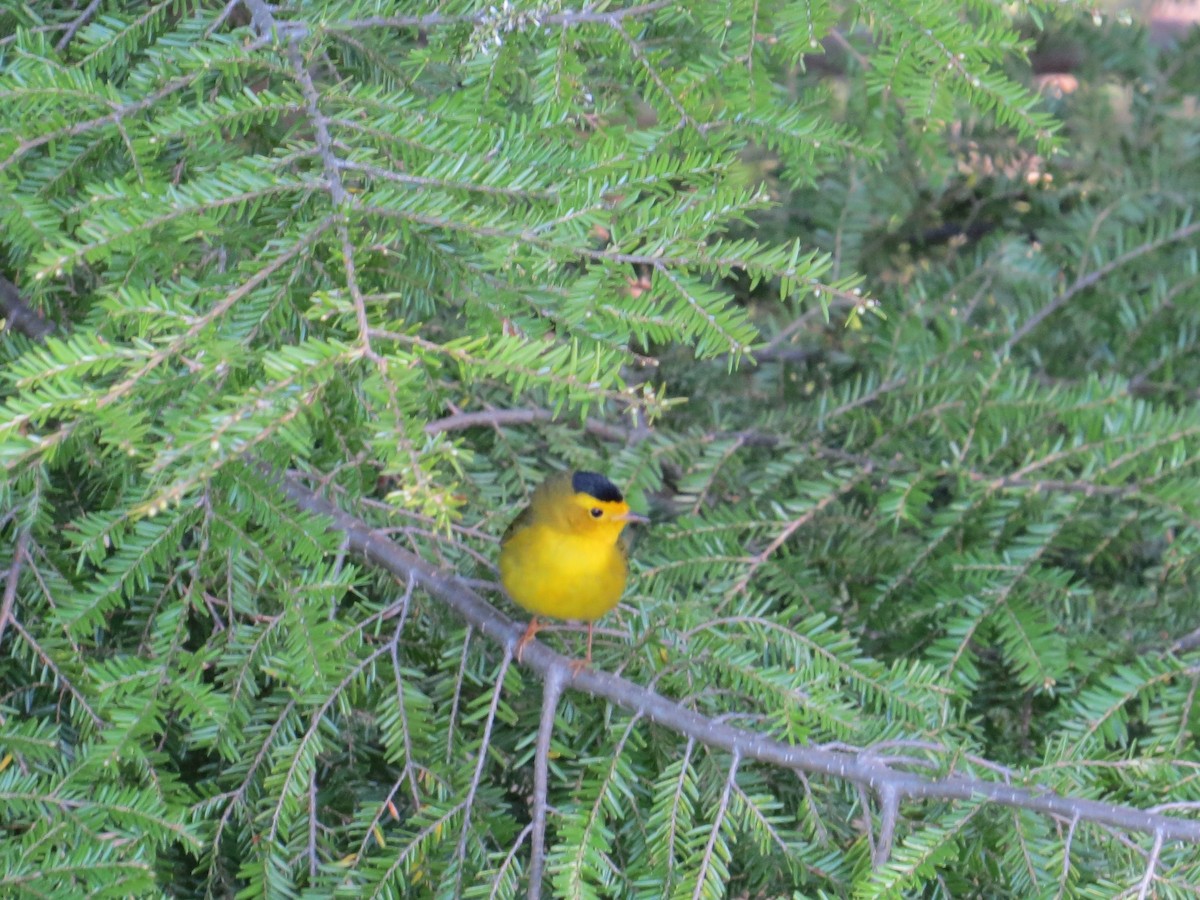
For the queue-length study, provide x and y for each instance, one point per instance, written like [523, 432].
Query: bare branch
[1189, 641]
[1066, 866]
[495, 418]
[748, 745]
[551, 693]
[314, 860]
[715, 832]
[889, 812]
[1151, 864]
[10, 582]
[481, 759]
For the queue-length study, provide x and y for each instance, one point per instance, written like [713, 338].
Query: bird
[564, 555]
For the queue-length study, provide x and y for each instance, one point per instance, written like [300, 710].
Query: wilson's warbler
[564, 556]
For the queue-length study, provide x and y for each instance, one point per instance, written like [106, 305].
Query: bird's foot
[527, 637]
[578, 665]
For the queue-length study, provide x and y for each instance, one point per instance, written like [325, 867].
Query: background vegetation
[419, 258]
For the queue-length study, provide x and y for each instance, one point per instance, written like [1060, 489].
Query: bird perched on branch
[564, 556]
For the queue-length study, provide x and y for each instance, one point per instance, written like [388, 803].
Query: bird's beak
[632, 517]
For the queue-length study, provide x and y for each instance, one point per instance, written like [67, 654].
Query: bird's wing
[546, 492]
[625, 542]
[523, 519]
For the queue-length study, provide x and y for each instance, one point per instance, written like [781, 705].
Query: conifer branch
[760, 558]
[1083, 282]
[60, 677]
[264, 22]
[857, 769]
[118, 113]
[238, 206]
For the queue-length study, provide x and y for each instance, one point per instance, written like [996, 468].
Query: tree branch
[889, 813]
[552, 690]
[1151, 864]
[873, 773]
[19, 315]
[118, 113]
[265, 24]
[1086, 281]
[498, 417]
[481, 757]
[78, 22]
[10, 582]
[564, 19]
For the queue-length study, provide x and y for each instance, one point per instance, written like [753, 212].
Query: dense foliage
[318, 236]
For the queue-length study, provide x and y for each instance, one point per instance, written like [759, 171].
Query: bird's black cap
[595, 485]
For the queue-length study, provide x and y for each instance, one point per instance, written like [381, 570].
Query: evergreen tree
[306, 298]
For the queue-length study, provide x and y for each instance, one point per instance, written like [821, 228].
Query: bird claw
[527, 638]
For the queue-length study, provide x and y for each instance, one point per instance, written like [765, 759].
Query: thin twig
[635, 49]
[265, 24]
[498, 879]
[715, 829]
[460, 853]
[459, 681]
[864, 802]
[401, 706]
[314, 862]
[116, 115]
[1151, 863]
[496, 418]
[1086, 281]
[1066, 866]
[794, 525]
[552, 690]
[59, 676]
[10, 582]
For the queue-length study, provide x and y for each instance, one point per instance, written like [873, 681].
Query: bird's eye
[597, 513]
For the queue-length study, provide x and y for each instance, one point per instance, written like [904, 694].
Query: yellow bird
[564, 556]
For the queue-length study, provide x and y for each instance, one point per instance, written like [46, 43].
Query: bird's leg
[530, 631]
[579, 665]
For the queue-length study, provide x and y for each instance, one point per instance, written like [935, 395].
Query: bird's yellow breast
[562, 575]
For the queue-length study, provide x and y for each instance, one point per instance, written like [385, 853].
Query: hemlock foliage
[963, 534]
